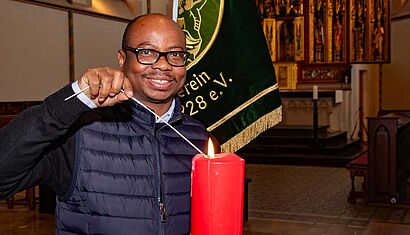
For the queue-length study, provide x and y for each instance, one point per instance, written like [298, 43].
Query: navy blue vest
[126, 165]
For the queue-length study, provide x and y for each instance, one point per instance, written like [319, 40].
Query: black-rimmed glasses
[151, 56]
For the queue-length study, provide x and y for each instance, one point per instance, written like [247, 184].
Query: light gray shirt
[87, 101]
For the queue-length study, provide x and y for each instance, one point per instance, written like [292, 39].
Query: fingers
[127, 86]
[105, 86]
[94, 83]
[106, 79]
[116, 85]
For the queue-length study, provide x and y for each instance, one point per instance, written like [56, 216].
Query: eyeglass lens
[149, 56]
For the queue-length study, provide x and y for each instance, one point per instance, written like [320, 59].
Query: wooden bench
[358, 168]
[4, 119]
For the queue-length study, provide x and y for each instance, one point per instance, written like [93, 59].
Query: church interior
[337, 163]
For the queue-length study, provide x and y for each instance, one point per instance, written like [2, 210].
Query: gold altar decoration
[316, 41]
[369, 31]
[286, 75]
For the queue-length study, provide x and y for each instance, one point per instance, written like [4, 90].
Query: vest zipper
[162, 211]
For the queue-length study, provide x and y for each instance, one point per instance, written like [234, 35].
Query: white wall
[34, 52]
[34, 48]
[162, 6]
[367, 76]
[96, 42]
[396, 76]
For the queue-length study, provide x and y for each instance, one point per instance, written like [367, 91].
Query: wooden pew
[383, 167]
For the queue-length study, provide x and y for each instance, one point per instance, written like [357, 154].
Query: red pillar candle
[217, 194]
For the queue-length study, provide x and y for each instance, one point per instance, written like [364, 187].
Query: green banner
[231, 86]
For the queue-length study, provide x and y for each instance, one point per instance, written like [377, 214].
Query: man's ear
[121, 57]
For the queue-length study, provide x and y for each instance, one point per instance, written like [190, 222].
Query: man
[115, 168]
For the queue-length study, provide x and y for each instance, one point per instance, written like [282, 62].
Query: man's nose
[162, 63]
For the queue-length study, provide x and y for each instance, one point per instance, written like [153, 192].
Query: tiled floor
[262, 227]
[312, 200]
[283, 200]
[259, 227]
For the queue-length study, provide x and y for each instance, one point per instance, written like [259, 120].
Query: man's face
[157, 83]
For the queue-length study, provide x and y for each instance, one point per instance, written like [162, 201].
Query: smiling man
[116, 169]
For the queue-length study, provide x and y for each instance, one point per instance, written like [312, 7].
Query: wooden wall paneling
[13, 108]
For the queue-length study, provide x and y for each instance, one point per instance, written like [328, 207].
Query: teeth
[160, 81]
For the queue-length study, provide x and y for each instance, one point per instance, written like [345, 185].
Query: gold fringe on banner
[252, 131]
[242, 107]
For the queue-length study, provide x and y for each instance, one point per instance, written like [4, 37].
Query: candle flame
[211, 153]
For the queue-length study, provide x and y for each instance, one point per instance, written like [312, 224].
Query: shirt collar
[167, 115]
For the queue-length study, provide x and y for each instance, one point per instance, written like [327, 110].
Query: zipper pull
[162, 212]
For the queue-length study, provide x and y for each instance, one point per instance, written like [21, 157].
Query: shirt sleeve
[81, 96]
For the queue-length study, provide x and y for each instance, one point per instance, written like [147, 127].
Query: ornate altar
[369, 31]
[316, 41]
